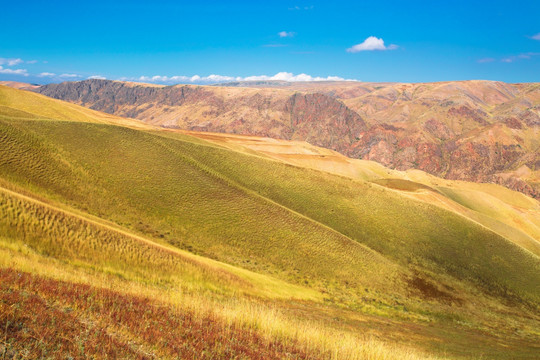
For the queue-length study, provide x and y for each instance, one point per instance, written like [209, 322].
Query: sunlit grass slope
[136, 180]
[94, 244]
[508, 213]
[402, 229]
[204, 295]
[195, 197]
[175, 217]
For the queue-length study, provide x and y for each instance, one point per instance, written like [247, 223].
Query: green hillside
[185, 222]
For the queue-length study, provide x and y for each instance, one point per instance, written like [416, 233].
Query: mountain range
[481, 131]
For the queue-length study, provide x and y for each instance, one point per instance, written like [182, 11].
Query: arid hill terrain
[19, 85]
[481, 131]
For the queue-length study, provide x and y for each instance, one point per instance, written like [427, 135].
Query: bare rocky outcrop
[317, 118]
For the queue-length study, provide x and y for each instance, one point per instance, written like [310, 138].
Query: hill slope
[480, 131]
[178, 216]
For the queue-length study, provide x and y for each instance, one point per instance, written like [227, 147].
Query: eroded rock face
[476, 130]
[320, 119]
[438, 129]
[323, 121]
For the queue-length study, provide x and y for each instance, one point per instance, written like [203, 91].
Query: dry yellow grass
[55, 229]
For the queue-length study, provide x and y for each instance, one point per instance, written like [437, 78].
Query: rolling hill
[228, 246]
[481, 131]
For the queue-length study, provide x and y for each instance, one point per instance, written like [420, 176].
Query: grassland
[293, 261]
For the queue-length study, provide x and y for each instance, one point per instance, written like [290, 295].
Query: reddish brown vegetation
[429, 290]
[40, 317]
[32, 328]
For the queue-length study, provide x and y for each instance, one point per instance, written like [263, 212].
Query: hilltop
[19, 85]
[481, 131]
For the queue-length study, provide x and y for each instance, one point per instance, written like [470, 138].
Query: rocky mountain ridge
[481, 131]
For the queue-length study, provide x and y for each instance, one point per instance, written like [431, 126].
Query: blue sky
[187, 41]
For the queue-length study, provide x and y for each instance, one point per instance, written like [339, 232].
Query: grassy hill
[293, 258]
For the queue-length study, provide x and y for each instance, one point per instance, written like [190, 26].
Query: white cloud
[22, 72]
[213, 79]
[536, 37]
[47, 74]
[15, 61]
[218, 78]
[283, 34]
[169, 79]
[524, 56]
[287, 76]
[486, 60]
[192, 79]
[10, 62]
[311, 7]
[370, 44]
[97, 77]
[70, 76]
